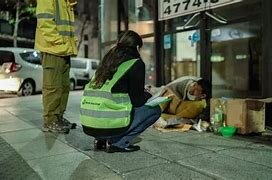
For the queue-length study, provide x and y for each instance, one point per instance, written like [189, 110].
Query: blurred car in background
[20, 70]
[82, 70]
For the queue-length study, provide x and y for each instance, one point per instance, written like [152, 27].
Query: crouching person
[112, 106]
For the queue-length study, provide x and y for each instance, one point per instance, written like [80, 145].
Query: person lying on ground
[190, 99]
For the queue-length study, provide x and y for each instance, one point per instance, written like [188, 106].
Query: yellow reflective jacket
[55, 32]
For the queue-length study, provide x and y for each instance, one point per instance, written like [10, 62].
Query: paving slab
[110, 177]
[37, 123]
[211, 142]
[227, 167]
[58, 167]
[15, 110]
[91, 169]
[42, 147]
[77, 139]
[123, 162]
[8, 118]
[23, 136]
[165, 171]
[3, 112]
[169, 149]
[30, 115]
[12, 165]
[264, 138]
[255, 153]
[15, 126]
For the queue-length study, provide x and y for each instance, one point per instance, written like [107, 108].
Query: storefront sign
[195, 37]
[174, 8]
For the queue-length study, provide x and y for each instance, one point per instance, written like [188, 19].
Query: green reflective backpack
[103, 113]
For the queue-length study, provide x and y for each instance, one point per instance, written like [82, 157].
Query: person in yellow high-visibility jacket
[55, 39]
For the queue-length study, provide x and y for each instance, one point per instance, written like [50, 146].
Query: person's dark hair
[206, 87]
[128, 41]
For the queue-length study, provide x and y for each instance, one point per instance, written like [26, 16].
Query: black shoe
[67, 123]
[113, 149]
[99, 145]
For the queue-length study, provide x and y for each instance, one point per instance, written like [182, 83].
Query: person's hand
[72, 2]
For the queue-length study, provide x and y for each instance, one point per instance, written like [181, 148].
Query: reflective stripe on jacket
[55, 32]
[103, 110]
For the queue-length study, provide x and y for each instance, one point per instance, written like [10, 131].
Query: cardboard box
[248, 115]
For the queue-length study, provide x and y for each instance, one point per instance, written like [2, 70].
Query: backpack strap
[122, 69]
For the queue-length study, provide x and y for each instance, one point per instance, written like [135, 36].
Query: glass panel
[141, 16]
[147, 52]
[31, 57]
[185, 54]
[108, 20]
[5, 27]
[239, 10]
[79, 64]
[94, 65]
[236, 56]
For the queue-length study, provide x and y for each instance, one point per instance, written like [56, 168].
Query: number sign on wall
[174, 8]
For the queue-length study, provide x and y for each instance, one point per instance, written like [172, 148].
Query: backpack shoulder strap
[122, 69]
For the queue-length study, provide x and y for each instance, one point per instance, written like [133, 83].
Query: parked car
[82, 70]
[20, 70]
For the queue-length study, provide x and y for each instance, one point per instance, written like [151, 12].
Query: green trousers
[56, 86]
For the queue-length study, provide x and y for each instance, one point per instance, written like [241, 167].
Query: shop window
[141, 16]
[86, 50]
[147, 54]
[236, 56]
[108, 20]
[181, 55]
[5, 27]
[185, 54]
[239, 10]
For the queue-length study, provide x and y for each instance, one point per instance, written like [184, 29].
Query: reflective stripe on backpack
[101, 109]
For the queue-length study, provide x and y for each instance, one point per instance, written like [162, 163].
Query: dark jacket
[134, 80]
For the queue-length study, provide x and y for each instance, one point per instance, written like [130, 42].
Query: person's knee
[157, 111]
[154, 112]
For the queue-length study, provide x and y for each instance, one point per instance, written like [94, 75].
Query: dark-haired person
[190, 97]
[112, 106]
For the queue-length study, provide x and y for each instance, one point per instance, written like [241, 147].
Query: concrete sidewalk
[28, 153]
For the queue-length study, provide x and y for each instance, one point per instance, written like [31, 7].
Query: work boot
[55, 127]
[67, 123]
